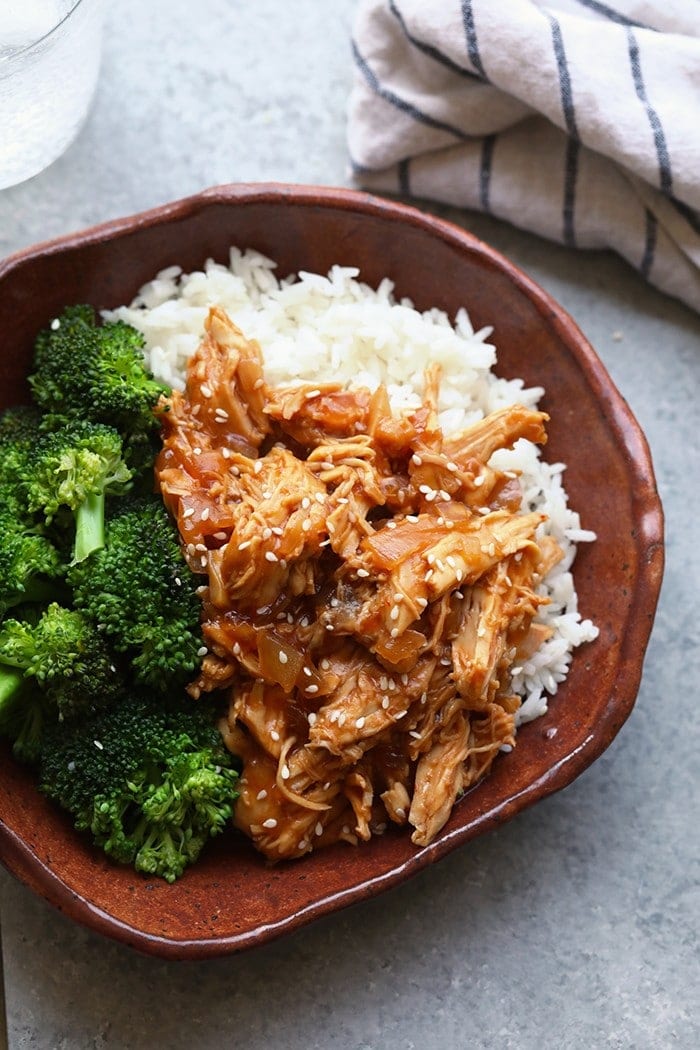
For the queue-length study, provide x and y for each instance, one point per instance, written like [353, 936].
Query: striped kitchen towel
[576, 119]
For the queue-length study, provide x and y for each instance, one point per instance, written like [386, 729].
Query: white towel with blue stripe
[575, 119]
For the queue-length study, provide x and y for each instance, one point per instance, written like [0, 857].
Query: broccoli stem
[10, 683]
[89, 527]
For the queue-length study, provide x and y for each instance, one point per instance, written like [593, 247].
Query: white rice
[313, 328]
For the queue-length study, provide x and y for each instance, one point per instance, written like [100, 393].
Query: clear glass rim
[46, 36]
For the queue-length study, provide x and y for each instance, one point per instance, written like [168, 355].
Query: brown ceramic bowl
[230, 900]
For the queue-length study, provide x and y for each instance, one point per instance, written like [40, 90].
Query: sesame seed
[341, 719]
[363, 573]
[325, 664]
[203, 561]
[480, 631]
[448, 524]
[221, 415]
[269, 823]
[416, 459]
[391, 524]
[333, 716]
[516, 670]
[282, 657]
[359, 722]
[398, 597]
[385, 702]
[257, 466]
[311, 393]
[395, 632]
[258, 383]
[320, 498]
[445, 496]
[306, 503]
[430, 496]
[394, 614]
[274, 735]
[196, 451]
[452, 467]
[401, 714]
[277, 530]
[55, 324]
[479, 481]
[266, 494]
[303, 844]
[261, 794]
[307, 671]
[428, 575]
[284, 772]
[319, 828]
[205, 514]
[330, 627]
[202, 651]
[346, 829]
[327, 465]
[99, 745]
[413, 518]
[225, 453]
[404, 679]
[312, 716]
[425, 489]
[271, 556]
[423, 697]
[188, 513]
[450, 561]
[205, 390]
[244, 545]
[306, 525]
[266, 533]
[423, 602]
[312, 689]
[400, 812]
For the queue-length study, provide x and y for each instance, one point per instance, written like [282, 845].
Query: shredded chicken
[367, 585]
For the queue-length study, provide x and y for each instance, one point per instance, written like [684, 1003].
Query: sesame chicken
[368, 584]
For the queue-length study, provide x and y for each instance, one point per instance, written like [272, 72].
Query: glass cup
[49, 61]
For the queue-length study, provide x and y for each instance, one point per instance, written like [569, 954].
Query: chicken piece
[366, 703]
[225, 385]
[439, 779]
[499, 604]
[489, 733]
[500, 429]
[313, 414]
[280, 519]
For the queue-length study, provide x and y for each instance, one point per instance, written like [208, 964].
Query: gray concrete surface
[574, 926]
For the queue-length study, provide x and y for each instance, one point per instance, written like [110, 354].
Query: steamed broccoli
[52, 667]
[86, 370]
[30, 566]
[152, 783]
[141, 594]
[29, 562]
[75, 466]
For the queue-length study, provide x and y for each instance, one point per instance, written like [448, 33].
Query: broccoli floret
[151, 782]
[30, 565]
[86, 370]
[29, 562]
[64, 656]
[141, 594]
[53, 666]
[76, 466]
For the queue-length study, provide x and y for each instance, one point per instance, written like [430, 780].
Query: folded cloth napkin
[576, 119]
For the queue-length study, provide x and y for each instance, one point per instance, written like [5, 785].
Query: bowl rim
[19, 859]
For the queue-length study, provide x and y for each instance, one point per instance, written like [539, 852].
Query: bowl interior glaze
[231, 900]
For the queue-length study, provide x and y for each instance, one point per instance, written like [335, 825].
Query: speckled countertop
[573, 926]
